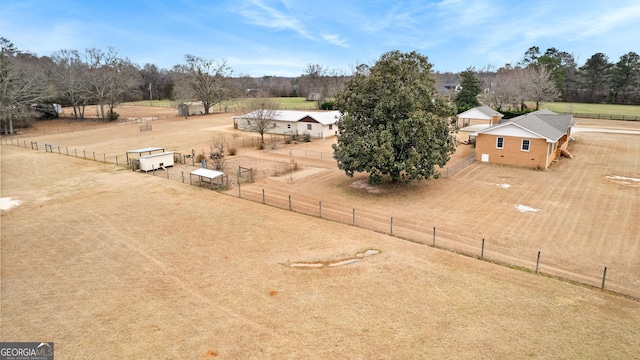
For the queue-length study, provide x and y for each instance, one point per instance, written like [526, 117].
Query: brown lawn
[110, 263]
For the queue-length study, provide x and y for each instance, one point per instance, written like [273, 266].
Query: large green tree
[596, 75]
[626, 78]
[393, 121]
[467, 95]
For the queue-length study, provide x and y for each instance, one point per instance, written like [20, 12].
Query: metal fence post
[604, 277]
[538, 262]
[434, 236]
[482, 252]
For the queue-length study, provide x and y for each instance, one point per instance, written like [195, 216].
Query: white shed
[156, 161]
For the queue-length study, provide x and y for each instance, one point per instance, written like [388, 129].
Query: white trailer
[156, 161]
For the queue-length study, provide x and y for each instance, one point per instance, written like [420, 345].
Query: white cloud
[336, 40]
[262, 15]
[615, 17]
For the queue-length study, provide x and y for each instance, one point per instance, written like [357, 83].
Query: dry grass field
[109, 263]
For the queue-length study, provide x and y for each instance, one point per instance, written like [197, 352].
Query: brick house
[533, 140]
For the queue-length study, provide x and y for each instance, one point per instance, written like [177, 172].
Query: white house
[318, 124]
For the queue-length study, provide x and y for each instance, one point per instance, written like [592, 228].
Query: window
[525, 145]
[500, 143]
[308, 126]
[288, 126]
[330, 127]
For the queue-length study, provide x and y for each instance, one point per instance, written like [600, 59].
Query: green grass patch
[285, 103]
[597, 111]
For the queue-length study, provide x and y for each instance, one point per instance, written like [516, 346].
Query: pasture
[286, 103]
[107, 262]
[593, 109]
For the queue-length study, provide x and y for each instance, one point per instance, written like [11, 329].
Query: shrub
[260, 146]
[112, 115]
[200, 157]
[307, 137]
[233, 151]
[327, 105]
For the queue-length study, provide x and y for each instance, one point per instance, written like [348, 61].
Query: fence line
[89, 123]
[459, 166]
[307, 154]
[405, 229]
[603, 116]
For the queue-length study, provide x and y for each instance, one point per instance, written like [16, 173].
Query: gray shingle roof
[488, 111]
[544, 122]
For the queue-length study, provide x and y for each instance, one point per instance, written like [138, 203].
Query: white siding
[156, 161]
[511, 130]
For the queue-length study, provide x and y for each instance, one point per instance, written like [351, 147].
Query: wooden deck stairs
[566, 153]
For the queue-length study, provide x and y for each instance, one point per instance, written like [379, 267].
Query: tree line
[103, 77]
[555, 76]
[30, 84]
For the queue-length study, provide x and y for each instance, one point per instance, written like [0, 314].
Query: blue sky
[281, 37]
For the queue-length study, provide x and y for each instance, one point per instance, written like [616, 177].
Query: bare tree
[124, 80]
[336, 80]
[314, 79]
[69, 76]
[260, 113]
[217, 146]
[542, 86]
[502, 90]
[21, 85]
[208, 80]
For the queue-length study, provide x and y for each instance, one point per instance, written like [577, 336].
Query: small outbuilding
[156, 161]
[212, 177]
[190, 108]
[479, 115]
[149, 150]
